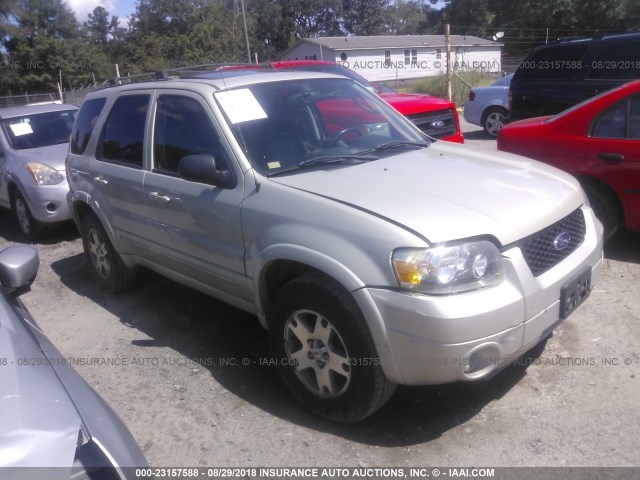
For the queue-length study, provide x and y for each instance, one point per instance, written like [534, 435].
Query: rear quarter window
[617, 61]
[83, 127]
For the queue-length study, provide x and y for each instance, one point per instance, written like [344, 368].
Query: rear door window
[122, 137]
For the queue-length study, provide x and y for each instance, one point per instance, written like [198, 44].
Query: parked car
[372, 254]
[436, 117]
[34, 140]
[561, 74]
[598, 141]
[488, 106]
[49, 416]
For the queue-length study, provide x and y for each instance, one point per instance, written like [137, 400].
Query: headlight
[44, 174]
[449, 269]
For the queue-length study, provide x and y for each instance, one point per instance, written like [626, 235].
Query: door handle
[611, 157]
[101, 181]
[162, 198]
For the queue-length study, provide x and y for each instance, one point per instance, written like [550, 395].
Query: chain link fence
[73, 97]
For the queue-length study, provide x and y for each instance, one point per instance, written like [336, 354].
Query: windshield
[39, 129]
[285, 125]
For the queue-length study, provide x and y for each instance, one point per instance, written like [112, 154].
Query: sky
[122, 8]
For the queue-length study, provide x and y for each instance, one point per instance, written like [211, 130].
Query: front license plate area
[574, 292]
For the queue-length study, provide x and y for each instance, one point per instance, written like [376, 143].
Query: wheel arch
[279, 264]
[490, 107]
[593, 182]
[283, 263]
[81, 206]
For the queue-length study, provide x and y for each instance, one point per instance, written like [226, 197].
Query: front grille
[437, 124]
[540, 249]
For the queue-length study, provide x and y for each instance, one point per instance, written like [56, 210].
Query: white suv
[374, 255]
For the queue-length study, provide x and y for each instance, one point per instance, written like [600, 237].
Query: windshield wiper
[323, 160]
[397, 144]
[333, 159]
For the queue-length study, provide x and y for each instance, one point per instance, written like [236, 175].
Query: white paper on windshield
[240, 105]
[20, 129]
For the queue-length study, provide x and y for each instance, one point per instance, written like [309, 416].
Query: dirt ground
[186, 374]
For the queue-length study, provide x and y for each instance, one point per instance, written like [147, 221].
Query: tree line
[43, 43]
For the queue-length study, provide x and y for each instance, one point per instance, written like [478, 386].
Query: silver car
[33, 144]
[488, 106]
[374, 255]
[49, 416]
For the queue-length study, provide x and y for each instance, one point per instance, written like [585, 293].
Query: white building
[400, 57]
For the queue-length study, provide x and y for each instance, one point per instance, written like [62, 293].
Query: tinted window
[123, 133]
[82, 129]
[618, 61]
[555, 63]
[183, 128]
[39, 129]
[619, 121]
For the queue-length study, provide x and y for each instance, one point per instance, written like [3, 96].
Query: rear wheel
[606, 207]
[107, 265]
[493, 120]
[29, 226]
[325, 351]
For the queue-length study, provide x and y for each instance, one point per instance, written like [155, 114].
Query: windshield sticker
[273, 165]
[240, 105]
[20, 129]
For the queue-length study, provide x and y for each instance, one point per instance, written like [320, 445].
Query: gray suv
[374, 255]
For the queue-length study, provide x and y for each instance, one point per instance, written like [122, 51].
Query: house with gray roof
[400, 57]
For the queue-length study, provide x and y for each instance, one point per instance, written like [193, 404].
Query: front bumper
[48, 203]
[428, 339]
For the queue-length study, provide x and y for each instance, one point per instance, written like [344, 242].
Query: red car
[598, 141]
[436, 117]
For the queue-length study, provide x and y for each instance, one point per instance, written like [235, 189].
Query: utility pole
[246, 34]
[447, 40]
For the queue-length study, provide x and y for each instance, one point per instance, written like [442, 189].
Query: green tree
[99, 26]
[365, 17]
[408, 17]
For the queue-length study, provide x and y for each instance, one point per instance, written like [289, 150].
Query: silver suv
[372, 254]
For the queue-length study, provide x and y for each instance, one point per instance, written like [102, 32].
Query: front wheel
[107, 265]
[29, 226]
[606, 208]
[325, 351]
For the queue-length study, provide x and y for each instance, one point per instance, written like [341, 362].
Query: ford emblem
[562, 241]
[438, 124]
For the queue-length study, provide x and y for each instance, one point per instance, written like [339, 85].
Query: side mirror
[18, 267]
[202, 168]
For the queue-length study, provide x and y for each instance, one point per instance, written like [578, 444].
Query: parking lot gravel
[193, 379]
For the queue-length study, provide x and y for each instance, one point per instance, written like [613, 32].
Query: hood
[39, 424]
[448, 192]
[408, 103]
[53, 155]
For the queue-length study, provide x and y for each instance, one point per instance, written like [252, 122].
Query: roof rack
[184, 72]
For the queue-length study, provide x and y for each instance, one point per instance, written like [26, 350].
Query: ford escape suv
[373, 255]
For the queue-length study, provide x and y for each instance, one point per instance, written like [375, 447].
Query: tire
[325, 352]
[606, 207]
[29, 226]
[106, 264]
[493, 120]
